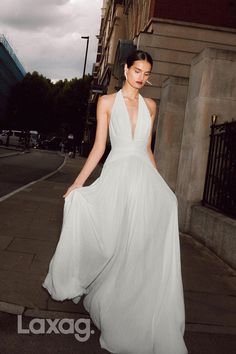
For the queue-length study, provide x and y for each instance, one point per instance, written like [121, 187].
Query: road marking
[33, 182]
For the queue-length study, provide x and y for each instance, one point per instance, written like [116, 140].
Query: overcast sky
[46, 34]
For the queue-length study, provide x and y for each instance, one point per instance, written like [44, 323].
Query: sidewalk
[30, 226]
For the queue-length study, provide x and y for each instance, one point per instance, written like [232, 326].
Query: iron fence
[220, 183]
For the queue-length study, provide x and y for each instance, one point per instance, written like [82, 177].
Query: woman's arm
[152, 109]
[98, 148]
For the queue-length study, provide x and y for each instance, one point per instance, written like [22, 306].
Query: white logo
[65, 326]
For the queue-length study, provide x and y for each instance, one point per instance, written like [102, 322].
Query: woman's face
[138, 73]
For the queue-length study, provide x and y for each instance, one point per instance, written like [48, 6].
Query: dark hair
[138, 55]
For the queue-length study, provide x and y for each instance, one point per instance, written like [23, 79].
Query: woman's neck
[130, 91]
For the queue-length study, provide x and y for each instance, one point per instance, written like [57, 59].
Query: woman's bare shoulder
[107, 100]
[151, 104]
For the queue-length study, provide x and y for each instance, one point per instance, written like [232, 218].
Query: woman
[119, 243]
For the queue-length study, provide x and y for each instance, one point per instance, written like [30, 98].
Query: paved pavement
[30, 223]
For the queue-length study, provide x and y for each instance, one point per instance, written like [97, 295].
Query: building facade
[193, 79]
[11, 72]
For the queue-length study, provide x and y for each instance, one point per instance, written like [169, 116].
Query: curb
[11, 308]
[12, 154]
[15, 309]
[33, 182]
[40, 313]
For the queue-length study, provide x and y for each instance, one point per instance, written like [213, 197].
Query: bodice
[120, 130]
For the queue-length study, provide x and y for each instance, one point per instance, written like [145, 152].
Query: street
[16, 171]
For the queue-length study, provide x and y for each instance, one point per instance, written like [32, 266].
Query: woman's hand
[71, 188]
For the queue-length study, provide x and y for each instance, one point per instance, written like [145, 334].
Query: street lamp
[85, 59]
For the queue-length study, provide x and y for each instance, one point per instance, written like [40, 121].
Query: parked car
[16, 137]
[53, 143]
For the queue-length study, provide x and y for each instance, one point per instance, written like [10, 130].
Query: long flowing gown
[119, 246]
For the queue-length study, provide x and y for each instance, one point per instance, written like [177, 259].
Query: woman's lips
[139, 82]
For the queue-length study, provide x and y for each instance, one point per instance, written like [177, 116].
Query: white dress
[119, 245]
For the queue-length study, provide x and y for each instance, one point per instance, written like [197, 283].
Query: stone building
[11, 71]
[193, 78]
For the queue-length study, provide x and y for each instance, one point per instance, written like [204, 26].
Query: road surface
[16, 171]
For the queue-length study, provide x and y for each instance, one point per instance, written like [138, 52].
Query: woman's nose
[141, 76]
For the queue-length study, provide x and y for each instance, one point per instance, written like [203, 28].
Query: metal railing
[220, 183]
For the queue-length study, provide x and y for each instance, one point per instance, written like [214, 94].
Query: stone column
[170, 127]
[212, 90]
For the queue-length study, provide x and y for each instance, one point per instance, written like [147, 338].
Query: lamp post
[85, 59]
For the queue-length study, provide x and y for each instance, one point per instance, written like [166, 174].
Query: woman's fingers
[71, 188]
[68, 192]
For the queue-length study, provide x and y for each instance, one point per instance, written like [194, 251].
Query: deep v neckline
[133, 134]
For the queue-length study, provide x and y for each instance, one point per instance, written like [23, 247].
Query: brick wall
[209, 12]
